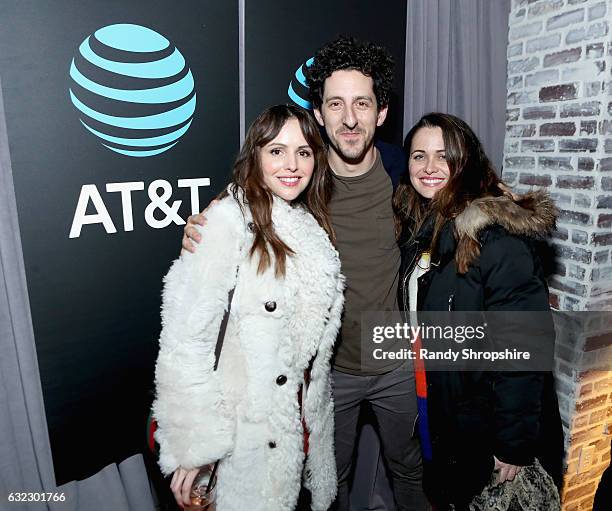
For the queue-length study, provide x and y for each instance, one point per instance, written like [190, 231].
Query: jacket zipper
[409, 269]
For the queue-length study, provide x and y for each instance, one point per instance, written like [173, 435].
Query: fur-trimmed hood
[532, 215]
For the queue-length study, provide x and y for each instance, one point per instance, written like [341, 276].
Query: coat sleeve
[194, 425]
[513, 283]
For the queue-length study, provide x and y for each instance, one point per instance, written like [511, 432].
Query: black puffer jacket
[474, 416]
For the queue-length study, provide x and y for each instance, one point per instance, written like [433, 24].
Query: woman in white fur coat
[269, 237]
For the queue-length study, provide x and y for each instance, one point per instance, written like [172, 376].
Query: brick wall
[584, 385]
[559, 137]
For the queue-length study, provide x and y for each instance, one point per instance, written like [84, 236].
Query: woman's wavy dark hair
[472, 175]
[346, 53]
[247, 179]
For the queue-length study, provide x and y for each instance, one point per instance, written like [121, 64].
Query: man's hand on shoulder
[191, 235]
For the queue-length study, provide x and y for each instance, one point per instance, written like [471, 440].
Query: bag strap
[218, 346]
[224, 321]
[223, 326]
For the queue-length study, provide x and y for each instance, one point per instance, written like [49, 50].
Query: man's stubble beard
[355, 153]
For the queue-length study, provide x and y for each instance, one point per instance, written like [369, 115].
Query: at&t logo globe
[298, 86]
[133, 90]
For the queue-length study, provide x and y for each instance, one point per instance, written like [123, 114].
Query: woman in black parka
[468, 245]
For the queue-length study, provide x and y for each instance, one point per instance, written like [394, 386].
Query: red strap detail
[151, 432]
[305, 428]
[306, 437]
[419, 368]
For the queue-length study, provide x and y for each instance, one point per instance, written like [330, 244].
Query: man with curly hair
[350, 87]
[350, 84]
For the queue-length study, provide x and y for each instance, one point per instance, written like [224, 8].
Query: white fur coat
[246, 413]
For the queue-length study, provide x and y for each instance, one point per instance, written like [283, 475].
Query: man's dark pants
[392, 397]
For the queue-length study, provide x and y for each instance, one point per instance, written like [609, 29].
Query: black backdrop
[95, 297]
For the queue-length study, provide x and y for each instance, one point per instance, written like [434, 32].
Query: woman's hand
[182, 481]
[506, 472]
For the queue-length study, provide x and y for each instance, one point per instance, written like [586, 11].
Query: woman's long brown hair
[472, 175]
[247, 179]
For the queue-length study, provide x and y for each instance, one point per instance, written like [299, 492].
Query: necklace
[425, 259]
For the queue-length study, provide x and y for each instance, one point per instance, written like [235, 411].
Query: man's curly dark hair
[347, 53]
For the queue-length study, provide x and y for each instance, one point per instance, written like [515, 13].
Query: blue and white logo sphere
[298, 88]
[132, 89]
